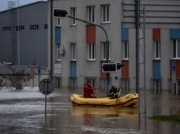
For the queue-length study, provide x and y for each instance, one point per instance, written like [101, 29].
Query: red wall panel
[156, 34]
[177, 69]
[103, 75]
[170, 68]
[125, 69]
[90, 33]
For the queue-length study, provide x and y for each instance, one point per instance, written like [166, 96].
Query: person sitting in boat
[88, 90]
[114, 91]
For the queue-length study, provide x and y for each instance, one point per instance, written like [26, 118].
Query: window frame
[157, 49]
[91, 16]
[125, 50]
[93, 80]
[73, 51]
[176, 49]
[91, 54]
[73, 13]
[103, 46]
[106, 13]
[58, 21]
[58, 53]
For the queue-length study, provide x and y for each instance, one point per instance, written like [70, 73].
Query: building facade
[79, 48]
[23, 35]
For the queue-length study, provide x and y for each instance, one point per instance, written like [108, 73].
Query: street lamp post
[106, 45]
[51, 41]
[18, 38]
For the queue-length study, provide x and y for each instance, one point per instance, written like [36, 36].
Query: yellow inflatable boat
[127, 100]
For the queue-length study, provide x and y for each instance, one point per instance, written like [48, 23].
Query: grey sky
[4, 3]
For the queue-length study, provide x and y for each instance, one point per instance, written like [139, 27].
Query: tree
[16, 78]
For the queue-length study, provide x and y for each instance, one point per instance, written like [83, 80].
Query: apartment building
[79, 48]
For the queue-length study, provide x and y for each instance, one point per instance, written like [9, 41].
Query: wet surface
[24, 113]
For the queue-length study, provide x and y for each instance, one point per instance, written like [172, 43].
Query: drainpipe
[137, 6]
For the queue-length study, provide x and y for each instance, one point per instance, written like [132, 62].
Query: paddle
[115, 106]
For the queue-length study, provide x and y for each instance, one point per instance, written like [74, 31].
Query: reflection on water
[160, 104]
[109, 120]
[98, 110]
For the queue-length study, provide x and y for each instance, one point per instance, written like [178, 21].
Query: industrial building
[23, 40]
[23, 34]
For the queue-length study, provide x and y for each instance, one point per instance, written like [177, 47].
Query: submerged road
[23, 112]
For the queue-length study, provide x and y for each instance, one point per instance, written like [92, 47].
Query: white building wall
[77, 34]
[163, 14]
[166, 53]
[132, 56]
[149, 56]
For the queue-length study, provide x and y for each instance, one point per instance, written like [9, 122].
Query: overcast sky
[4, 3]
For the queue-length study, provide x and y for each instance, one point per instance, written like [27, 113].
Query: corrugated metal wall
[159, 13]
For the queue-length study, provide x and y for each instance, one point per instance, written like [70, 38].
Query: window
[176, 48]
[105, 13]
[73, 82]
[91, 14]
[57, 82]
[92, 80]
[174, 87]
[157, 49]
[58, 52]
[58, 22]
[104, 52]
[91, 51]
[45, 26]
[156, 86]
[125, 82]
[73, 14]
[21, 28]
[73, 51]
[31, 27]
[6, 28]
[125, 50]
[58, 35]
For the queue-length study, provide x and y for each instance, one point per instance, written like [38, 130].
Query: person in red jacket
[88, 90]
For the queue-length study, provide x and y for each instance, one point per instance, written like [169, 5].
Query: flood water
[26, 115]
